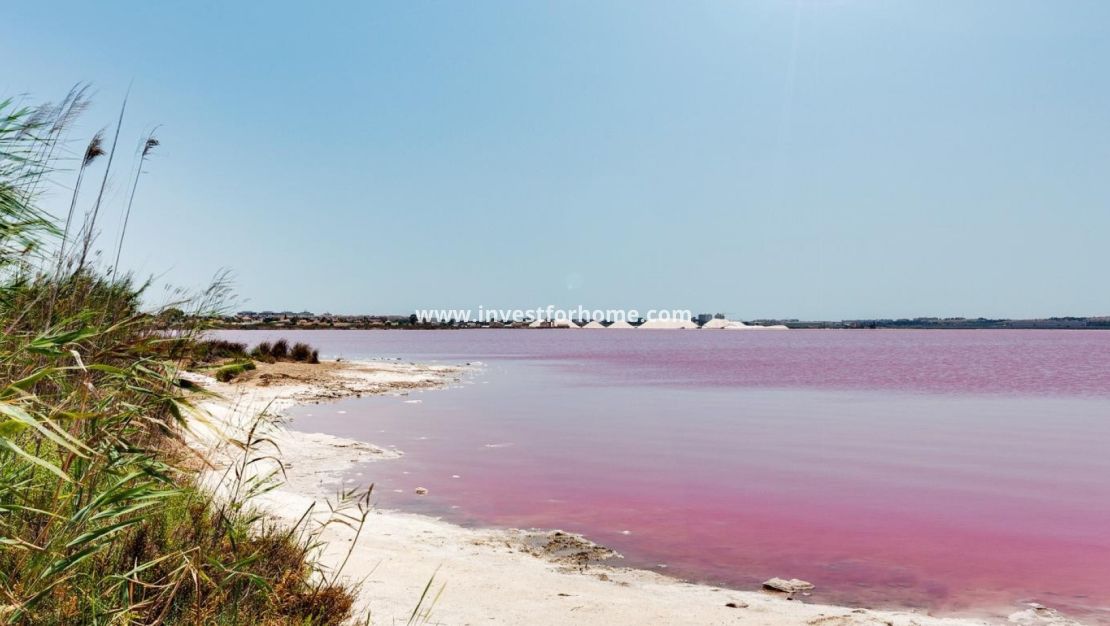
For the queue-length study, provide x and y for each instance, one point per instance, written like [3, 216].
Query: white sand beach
[481, 576]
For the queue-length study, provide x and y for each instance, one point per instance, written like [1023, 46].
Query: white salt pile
[668, 324]
[722, 323]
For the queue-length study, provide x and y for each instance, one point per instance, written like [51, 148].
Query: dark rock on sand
[564, 548]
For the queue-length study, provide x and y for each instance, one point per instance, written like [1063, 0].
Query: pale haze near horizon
[815, 160]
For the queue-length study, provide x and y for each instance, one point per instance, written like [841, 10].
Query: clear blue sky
[812, 159]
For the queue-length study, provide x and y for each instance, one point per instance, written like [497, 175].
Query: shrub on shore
[210, 350]
[262, 352]
[101, 522]
[280, 351]
[304, 353]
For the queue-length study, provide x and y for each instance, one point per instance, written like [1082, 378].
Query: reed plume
[148, 146]
[90, 226]
[93, 151]
[55, 119]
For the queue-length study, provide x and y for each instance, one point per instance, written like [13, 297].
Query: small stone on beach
[787, 586]
[737, 605]
[421, 491]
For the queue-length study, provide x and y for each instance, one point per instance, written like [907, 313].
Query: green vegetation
[101, 517]
[226, 373]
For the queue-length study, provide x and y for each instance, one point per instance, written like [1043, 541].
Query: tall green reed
[101, 517]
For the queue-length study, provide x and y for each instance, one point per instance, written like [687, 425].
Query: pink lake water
[955, 471]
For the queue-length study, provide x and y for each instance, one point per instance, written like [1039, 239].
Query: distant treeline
[955, 323]
[400, 322]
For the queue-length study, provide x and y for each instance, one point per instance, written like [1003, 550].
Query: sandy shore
[480, 576]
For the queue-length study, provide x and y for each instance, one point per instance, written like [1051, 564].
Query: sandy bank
[481, 576]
